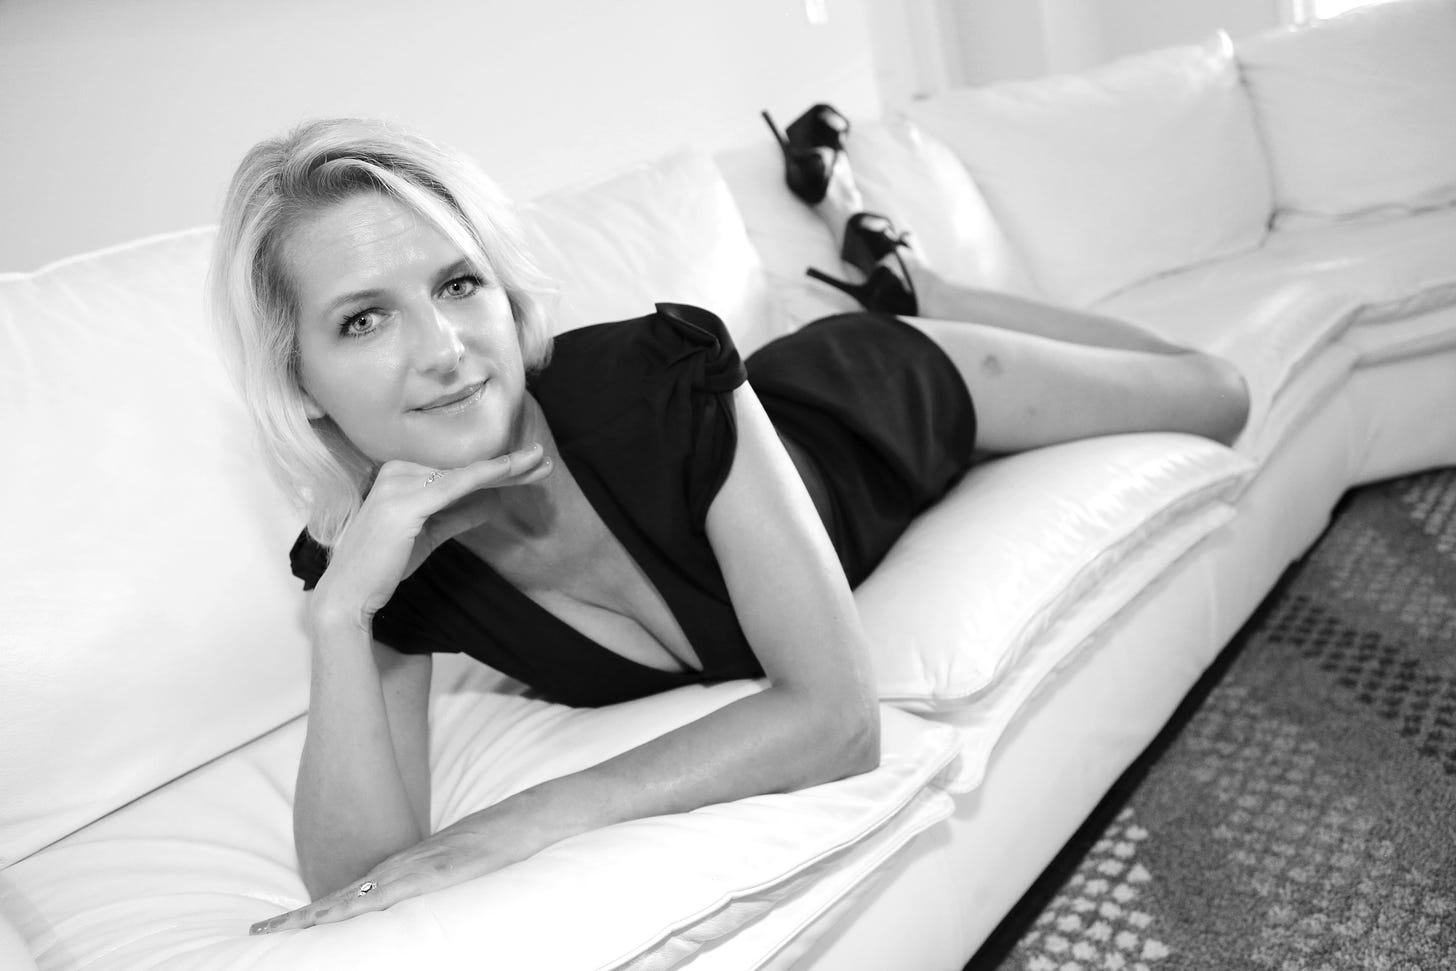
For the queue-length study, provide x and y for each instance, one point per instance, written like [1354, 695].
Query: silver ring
[437, 474]
[365, 887]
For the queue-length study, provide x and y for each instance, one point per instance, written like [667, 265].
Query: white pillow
[150, 622]
[666, 230]
[1358, 112]
[905, 174]
[14, 954]
[916, 180]
[182, 873]
[1015, 546]
[1102, 179]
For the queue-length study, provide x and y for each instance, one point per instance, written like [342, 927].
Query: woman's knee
[1223, 397]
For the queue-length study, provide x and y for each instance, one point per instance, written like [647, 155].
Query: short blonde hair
[284, 181]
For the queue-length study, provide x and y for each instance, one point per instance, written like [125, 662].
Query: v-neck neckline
[617, 524]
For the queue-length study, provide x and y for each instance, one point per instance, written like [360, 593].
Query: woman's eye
[462, 286]
[359, 324]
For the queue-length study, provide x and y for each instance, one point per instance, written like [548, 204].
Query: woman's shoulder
[597, 369]
[662, 338]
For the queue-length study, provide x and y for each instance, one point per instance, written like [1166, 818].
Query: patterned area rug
[1304, 818]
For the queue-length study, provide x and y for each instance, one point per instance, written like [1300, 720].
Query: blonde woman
[610, 516]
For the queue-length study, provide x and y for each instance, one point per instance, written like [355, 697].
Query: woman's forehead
[366, 240]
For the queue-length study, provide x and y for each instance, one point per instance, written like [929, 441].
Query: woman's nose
[438, 346]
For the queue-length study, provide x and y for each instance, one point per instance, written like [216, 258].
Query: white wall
[120, 118]
[999, 40]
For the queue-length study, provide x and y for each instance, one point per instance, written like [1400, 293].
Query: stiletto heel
[882, 291]
[803, 144]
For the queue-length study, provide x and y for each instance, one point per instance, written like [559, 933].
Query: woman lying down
[623, 510]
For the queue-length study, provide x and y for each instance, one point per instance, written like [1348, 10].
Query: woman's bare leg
[1031, 391]
[1041, 374]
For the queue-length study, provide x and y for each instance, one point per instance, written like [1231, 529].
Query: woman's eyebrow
[458, 268]
[373, 293]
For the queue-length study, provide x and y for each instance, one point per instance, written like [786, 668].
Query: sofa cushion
[1271, 311]
[150, 623]
[665, 230]
[905, 174]
[1017, 544]
[917, 180]
[1105, 178]
[1358, 112]
[184, 871]
[1081, 628]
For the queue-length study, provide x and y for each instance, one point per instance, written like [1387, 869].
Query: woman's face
[410, 352]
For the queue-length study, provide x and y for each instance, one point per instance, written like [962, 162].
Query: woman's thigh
[1031, 391]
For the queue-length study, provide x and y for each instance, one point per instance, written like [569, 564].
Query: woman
[597, 525]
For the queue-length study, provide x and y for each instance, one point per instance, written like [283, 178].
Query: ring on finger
[437, 474]
[365, 887]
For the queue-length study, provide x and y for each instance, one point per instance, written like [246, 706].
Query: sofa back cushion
[150, 622]
[1105, 178]
[1358, 111]
[664, 230]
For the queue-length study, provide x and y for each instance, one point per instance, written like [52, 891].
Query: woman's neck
[529, 513]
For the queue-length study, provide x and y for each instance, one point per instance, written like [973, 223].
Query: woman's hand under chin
[410, 510]
[479, 844]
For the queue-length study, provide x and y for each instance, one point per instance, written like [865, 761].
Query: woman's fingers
[343, 904]
[430, 490]
[512, 468]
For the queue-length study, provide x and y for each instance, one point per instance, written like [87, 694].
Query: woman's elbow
[853, 739]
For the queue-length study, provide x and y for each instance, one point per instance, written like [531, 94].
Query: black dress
[642, 414]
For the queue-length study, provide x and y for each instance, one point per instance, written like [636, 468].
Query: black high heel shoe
[868, 239]
[803, 143]
[882, 291]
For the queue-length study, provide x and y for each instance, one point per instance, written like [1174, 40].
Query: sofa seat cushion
[1424, 333]
[175, 879]
[1081, 629]
[1271, 310]
[1018, 545]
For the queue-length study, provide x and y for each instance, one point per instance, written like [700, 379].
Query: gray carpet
[1304, 818]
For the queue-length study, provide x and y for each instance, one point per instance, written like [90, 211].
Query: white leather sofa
[1268, 202]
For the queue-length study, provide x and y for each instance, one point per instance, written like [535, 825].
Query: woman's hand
[410, 510]
[476, 845]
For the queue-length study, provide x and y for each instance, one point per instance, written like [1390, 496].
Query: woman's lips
[454, 401]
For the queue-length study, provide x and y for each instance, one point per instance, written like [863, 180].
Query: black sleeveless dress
[642, 413]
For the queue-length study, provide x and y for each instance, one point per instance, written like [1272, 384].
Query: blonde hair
[280, 183]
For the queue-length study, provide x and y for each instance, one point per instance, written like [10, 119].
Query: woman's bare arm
[363, 782]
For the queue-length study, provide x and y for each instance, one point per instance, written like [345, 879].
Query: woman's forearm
[352, 807]
[773, 741]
